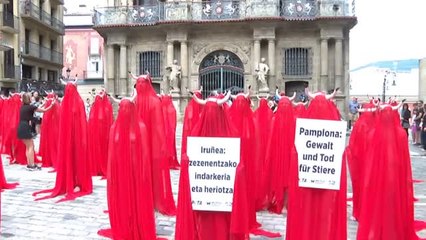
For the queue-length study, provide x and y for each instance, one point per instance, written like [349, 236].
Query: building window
[9, 63]
[52, 76]
[297, 61]
[150, 62]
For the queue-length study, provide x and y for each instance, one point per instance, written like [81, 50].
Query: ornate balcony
[221, 10]
[33, 12]
[9, 22]
[39, 52]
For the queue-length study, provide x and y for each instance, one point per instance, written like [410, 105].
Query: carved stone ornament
[197, 47]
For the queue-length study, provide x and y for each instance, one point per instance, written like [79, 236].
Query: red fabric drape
[387, 210]
[278, 156]
[73, 167]
[361, 137]
[170, 122]
[49, 133]
[191, 117]
[241, 116]
[5, 132]
[317, 213]
[99, 123]
[129, 193]
[149, 110]
[263, 123]
[191, 225]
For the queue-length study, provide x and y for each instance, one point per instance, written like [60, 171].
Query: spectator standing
[353, 112]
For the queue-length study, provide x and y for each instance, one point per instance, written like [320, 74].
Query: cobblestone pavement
[23, 218]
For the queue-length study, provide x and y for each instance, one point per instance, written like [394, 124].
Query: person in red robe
[279, 154]
[190, 119]
[263, 122]
[359, 141]
[129, 193]
[4, 118]
[49, 132]
[73, 173]
[170, 121]
[241, 116]
[317, 213]
[387, 210]
[99, 124]
[148, 106]
[300, 109]
[206, 225]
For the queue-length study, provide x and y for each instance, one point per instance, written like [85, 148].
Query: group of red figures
[136, 152]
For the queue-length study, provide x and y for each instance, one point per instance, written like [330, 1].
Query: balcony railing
[30, 85]
[10, 21]
[37, 51]
[31, 10]
[217, 10]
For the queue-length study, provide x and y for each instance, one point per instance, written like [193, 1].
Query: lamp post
[68, 73]
[385, 84]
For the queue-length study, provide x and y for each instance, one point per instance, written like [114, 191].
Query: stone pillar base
[264, 91]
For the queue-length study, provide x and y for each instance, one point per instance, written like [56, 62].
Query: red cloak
[73, 168]
[191, 117]
[317, 213]
[241, 116]
[360, 139]
[387, 211]
[205, 225]
[263, 123]
[278, 156]
[299, 110]
[49, 133]
[148, 106]
[130, 202]
[5, 115]
[170, 121]
[99, 124]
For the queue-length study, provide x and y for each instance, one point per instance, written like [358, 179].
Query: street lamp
[68, 73]
[385, 84]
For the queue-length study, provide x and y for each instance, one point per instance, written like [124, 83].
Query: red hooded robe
[170, 121]
[130, 202]
[192, 114]
[318, 214]
[99, 124]
[49, 133]
[73, 168]
[148, 106]
[206, 225]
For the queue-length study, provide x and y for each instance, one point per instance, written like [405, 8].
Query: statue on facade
[175, 74]
[262, 70]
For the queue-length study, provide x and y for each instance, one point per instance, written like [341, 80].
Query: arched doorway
[221, 71]
[299, 88]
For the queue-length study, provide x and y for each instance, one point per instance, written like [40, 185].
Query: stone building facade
[220, 44]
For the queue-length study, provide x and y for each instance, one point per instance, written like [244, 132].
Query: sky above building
[388, 30]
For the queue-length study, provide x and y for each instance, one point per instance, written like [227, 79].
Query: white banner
[320, 145]
[212, 165]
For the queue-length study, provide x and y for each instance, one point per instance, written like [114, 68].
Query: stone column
[256, 60]
[110, 86]
[271, 60]
[169, 53]
[339, 65]
[184, 65]
[324, 65]
[122, 82]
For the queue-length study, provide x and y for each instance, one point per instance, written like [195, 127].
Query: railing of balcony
[222, 10]
[30, 9]
[9, 71]
[9, 20]
[37, 51]
[30, 85]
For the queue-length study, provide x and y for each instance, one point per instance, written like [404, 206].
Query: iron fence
[37, 51]
[217, 10]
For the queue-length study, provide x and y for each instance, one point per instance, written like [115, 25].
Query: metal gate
[221, 71]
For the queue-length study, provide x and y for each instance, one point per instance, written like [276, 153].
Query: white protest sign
[212, 166]
[320, 145]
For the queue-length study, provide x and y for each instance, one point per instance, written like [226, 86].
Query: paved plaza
[23, 218]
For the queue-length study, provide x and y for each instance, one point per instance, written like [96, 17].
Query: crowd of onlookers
[413, 120]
